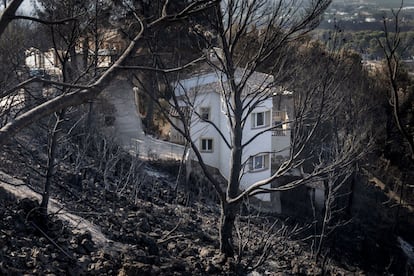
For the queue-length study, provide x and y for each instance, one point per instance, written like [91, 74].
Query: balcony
[280, 132]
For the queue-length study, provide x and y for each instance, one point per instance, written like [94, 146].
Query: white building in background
[42, 64]
[265, 153]
[46, 63]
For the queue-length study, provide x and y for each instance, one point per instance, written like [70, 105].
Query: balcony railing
[280, 132]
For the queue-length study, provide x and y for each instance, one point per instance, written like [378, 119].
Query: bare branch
[81, 96]
[46, 22]
[8, 14]
[42, 80]
[163, 70]
[390, 49]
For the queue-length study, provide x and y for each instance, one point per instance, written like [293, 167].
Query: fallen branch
[162, 241]
[166, 237]
[52, 241]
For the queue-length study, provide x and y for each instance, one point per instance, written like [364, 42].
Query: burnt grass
[156, 226]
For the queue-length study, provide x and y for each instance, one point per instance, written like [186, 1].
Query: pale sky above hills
[26, 6]
[394, 3]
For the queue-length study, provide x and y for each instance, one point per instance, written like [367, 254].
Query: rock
[195, 265]
[143, 225]
[108, 265]
[84, 235]
[61, 240]
[149, 243]
[156, 270]
[55, 264]
[75, 270]
[96, 267]
[189, 251]
[135, 269]
[148, 259]
[88, 245]
[27, 205]
[219, 259]
[206, 252]
[174, 265]
[30, 264]
[211, 269]
[171, 246]
[80, 250]
[84, 262]
[157, 234]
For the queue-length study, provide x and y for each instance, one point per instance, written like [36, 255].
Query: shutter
[266, 161]
[267, 118]
[210, 144]
[253, 116]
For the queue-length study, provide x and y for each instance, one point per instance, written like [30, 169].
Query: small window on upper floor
[260, 119]
[259, 162]
[205, 113]
[206, 145]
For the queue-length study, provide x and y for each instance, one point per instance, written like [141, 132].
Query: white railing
[279, 132]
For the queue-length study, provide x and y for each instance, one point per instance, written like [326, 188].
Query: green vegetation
[366, 42]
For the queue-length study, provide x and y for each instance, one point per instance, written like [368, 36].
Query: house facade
[205, 105]
[46, 63]
[42, 63]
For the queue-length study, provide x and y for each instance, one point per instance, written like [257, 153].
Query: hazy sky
[26, 6]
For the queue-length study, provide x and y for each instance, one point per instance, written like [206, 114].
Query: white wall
[38, 59]
[281, 145]
[202, 89]
[35, 59]
[224, 165]
[200, 129]
[261, 143]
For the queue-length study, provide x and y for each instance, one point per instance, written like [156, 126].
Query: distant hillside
[382, 3]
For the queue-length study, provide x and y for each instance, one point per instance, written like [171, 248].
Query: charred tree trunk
[227, 219]
[146, 86]
[230, 209]
[51, 156]
[85, 54]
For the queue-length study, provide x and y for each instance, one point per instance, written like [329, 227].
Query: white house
[206, 102]
[42, 64]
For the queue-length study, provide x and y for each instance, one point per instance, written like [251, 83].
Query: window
[207, 144]
[260, 119]
[205, 113]
[278, 129]
[280, 124]
[258, 162]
